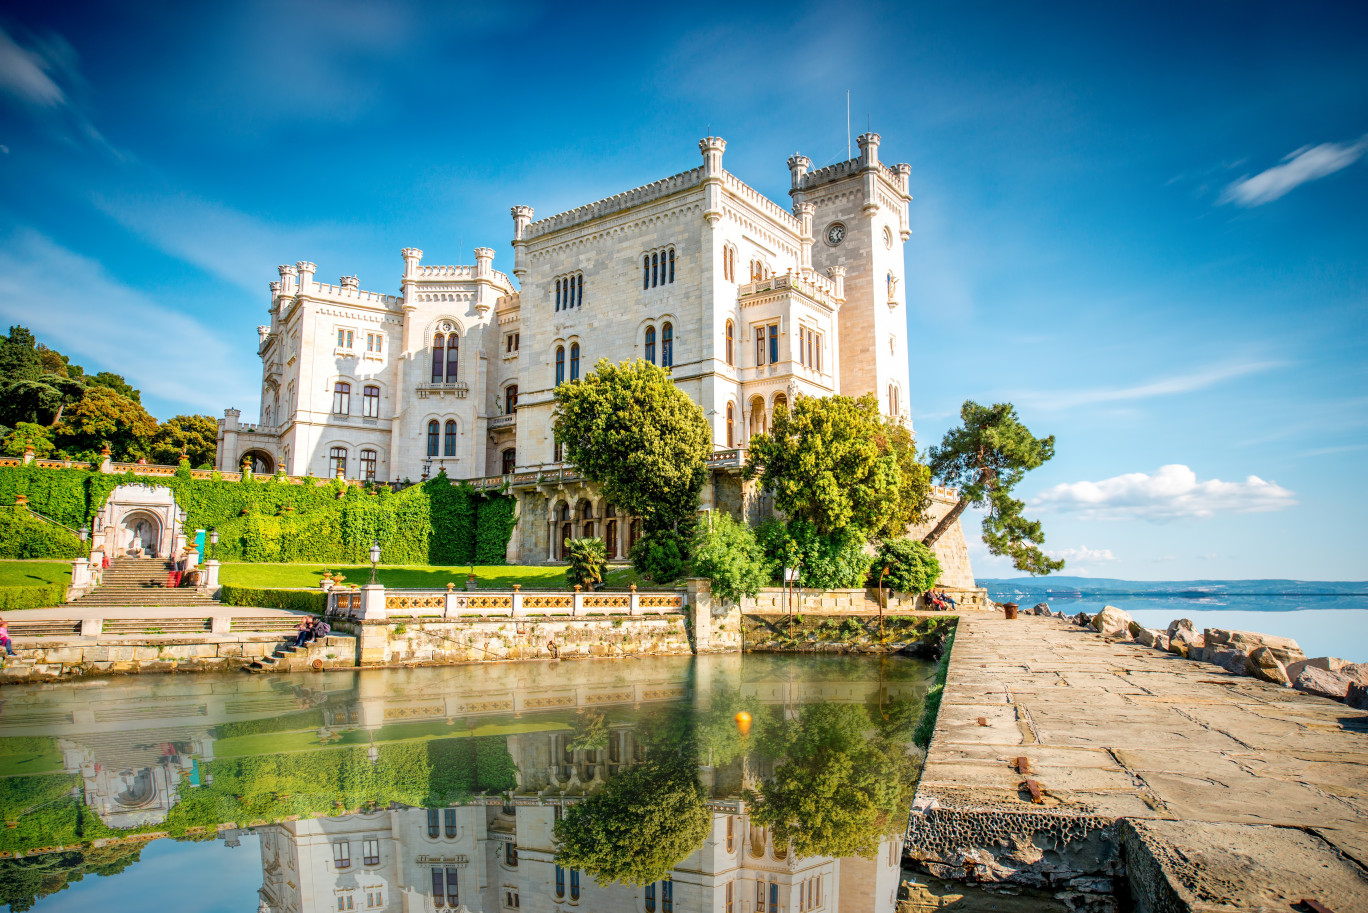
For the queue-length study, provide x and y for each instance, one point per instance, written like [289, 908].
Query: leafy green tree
[912, 566]
[638, 827]
[842, 789]
[196, 436]
[836, 463]
[629, 429]
[57, 364]
[591, 731]
[102, 416]
[659, 555]
[116, 383]
[29, 392]
[985, 458]
[835, 561]
[588, 562]
[24, 433]
[726, 552]
[19, 358]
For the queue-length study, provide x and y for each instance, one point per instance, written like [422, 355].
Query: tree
[985, 458]
[835, 462]
[726, 552]
[116, 383]
[835, 561]
[638, 827]
[19, 358]
[659, 555]
[103, 416]
[912, 566]
[588, 562]
[196, 436]
[25, 433]
[628, 428]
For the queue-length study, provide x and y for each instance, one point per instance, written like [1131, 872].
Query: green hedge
[315, 601]
[309, 719]
[32, 597]
[263, 519]
[22, 535]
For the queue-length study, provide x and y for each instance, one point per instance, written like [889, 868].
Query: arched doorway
[140, 534]
[262, 463]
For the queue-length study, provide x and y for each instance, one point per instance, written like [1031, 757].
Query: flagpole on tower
[847, 123]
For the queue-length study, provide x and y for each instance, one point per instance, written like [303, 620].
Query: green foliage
[495, 519]
[22, 535]
[31, 597]
[591, 731]
[985, 458]
[912, 566]
[196, 436]
[836, 463]
[840, 790]
[658, 555]
[26, 433]
[115, 382]
[25, 880]
[635, 830]
[926, 726]
[837, 561]
[726, 552]
[588, 562]
[309, 719]
[628, 428]
[19, 359]
[297, 600]
[102, 416]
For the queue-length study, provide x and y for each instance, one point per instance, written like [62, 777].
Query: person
[321, 629]
[5, 637]
[305, 629]
[950, 600]
[934, 600]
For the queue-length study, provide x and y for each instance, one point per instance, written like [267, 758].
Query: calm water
[429, 789]
[1321, 625]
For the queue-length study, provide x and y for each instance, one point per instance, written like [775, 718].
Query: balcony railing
[458, 390]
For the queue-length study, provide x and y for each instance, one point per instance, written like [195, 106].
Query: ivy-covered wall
[270, 519]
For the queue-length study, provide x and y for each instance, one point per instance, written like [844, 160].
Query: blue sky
[1144, 225]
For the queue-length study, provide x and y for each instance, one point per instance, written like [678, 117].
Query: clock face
[888, 238]
[836, 233]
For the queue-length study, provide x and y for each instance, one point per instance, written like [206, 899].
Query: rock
[1264, 664]
[1357, 696]
[1323, 683]
[1041, 608]
[1285, 648]
[1147, 636]
[1328, 663]
[1227, 658]
[1112, 621]
[1161, 641]
[1182, 631]
[1082, 619]
[1180, 624]
[1179, 647]
[1058, 614]
[1358, 672]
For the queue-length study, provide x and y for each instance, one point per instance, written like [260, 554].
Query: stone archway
[118, 521]
[262, 463]
[140, 533]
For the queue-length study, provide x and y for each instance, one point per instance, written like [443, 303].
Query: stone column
[373, 602]
[210, 580]
[699, 596]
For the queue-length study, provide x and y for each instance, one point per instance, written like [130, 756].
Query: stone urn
[1009, 609]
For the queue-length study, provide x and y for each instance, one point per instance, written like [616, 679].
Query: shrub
[659, 556]
[32, 597]
[726, 553]
[912, 566]
[588, 562]
[22, 535]
[836, 561]
[314, 601]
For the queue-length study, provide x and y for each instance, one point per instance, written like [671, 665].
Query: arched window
[667, 345]
[560, 452]
[560, 882]
[731, 343]
[731, 833]
[579, 289]
[655, 270]
[510, 460]
[337, 462]
[370, 401]
[558, 294]
[450, 449]
[449, 816]
[434, 433]
[672, 264]
[574, 361]
[731, 430]
[780, 402]
[646, 271]
[567, 533]
[563, 512]
[757, 416]
[511, 399]
[650, 897]
[667, 897]
[588, 530]
[434, 826]
[368, 462]
[453, 358]
[560, 365]
[893, 403]
[610, 535]
[341, 398]
[574, 884]
[650, 344]
[511, 855]
[438, 357]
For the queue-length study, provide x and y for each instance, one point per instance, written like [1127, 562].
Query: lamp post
[374, 559]
[883, 602]
[213, 542]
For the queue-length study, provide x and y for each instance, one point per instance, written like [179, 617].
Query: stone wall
[950, 548]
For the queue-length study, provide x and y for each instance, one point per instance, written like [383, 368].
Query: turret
[484, 262]
[349, 282]
[869, 150]
[522, 217]
[288, 279]
[306, 276]
[712, 148]
[799, 166]
[412, 257]
[804, 212]
[837, 276]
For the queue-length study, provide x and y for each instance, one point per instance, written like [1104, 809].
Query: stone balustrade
[376, 602]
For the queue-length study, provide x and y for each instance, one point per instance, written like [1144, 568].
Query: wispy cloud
[1306, 164]
[1083, 553]
[26, 75]
[1166, 386]
[44, 79]
[71, 303]
[1169, 493]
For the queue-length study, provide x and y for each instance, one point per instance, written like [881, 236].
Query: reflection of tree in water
[23, 881]
[591, 731]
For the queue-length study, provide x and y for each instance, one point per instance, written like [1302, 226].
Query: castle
[750, 305]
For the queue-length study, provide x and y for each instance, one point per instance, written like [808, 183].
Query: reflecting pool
[735, 784]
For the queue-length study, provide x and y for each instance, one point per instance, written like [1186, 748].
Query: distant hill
[1044, 587]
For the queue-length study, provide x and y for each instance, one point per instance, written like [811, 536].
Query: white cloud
[24, 74]
[69, 302]
[1165, 386]
[1083, 553]
[46, 79]
[1169, 493]
[1306, 164]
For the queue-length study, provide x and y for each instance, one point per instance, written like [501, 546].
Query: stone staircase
[141, 582]
[336, 651]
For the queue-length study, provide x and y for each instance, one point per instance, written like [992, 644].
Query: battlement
[352, 294]
[617, 203]
[457, 274]
[761, 202]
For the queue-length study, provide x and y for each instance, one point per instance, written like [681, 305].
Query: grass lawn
[24, 756]
[271, 576]
[34, 573]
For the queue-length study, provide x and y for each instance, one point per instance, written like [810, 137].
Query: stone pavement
[1198, 788]
[76, 611]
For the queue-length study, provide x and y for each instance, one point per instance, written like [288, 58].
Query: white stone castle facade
[750, 304]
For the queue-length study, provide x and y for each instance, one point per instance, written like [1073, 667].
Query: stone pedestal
[210, 580]
[373, 602]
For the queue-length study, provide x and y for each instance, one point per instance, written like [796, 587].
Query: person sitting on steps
[306, 631]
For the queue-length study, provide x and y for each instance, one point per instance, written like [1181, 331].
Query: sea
[1326, 618]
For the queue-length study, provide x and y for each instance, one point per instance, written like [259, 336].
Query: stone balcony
[458, 390]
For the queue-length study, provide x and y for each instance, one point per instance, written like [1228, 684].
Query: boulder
[1179, 647]
[1328, 663]
[1285, 648]
[1323, 683]
[1358, 672]
[1180, 624]
[1082, 619]
[1182, 631]
[1264, 664]
[1161, 641]
[1357, 696]
[1041, 608]
[1147, 636]
[1112, 622]
[1228, 659]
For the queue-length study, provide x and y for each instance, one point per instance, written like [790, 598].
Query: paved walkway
[76, 611]
[1210, 790]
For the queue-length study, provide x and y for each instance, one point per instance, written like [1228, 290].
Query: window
[375, 899]
[650, 344]
[569, 292]
[774, 343]
[731, 897]
[731, 343]
[759, 270]
[511, 343]
[368, 462]
[731, 827]
[657, 268]
[453, 890]
[587, 532]
[509, 460]
[667, 896]
[511, 854]
[438, 357]
[511, 900]
[560, 452]
[610, 535]
[774, 897]
[344, 339]
[646, 271]
[434, 828]
[667, 346]
[449, 816]
[893, 404]
[780, 402]
[450, 445]
[510, 399]
[560, 365]
[560, 882]
[728, 263]
[558, 294]
[574, 884]
[370, 851]
[341, 398]
[370, 401]
[760, 348]
[344, 902]
[731, 442]
[650, 897]
[672, 264]
[434, 434]
[342, 855]
[759, 896]
[438, 889]
[574, 361]
[337, 462]
[374, 342]
[757, 416]
[453, 358]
